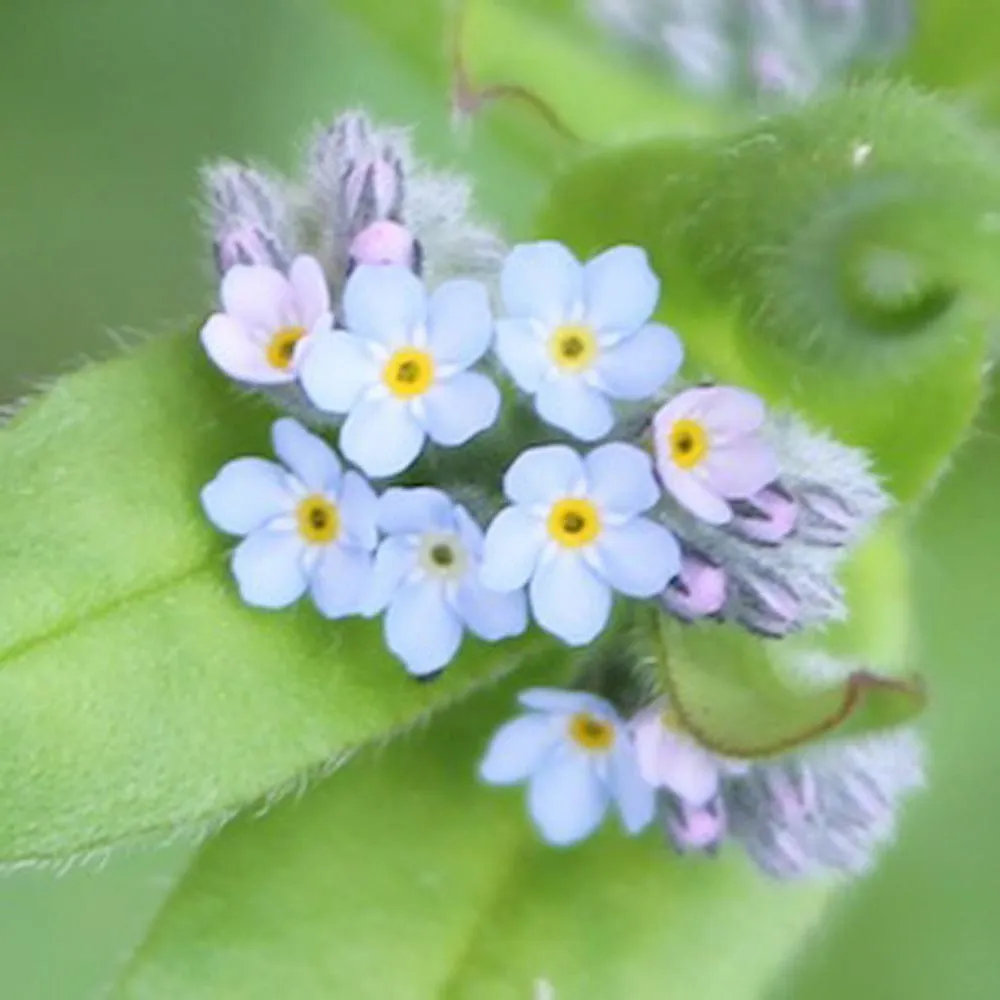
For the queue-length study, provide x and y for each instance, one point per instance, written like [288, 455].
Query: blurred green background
[107, 109]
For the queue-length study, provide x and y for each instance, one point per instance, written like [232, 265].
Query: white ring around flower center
[443, 556]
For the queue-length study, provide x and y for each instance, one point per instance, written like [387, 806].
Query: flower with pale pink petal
[267, 320]
[709, 450]
[671, 758]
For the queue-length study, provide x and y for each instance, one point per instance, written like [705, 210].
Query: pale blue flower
[578, 336]
[575, 754]
[574, 533]
[427, 576]
[307, 525]
[400, 371]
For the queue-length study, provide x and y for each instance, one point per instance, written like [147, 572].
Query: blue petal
[268, 568]
[540, 476]
[246, 494]
[489, 614]
[460, 324]
[620, 289]
[573, 406]
[522, 351]
[469, 532]
[636, 800]
[518, 748]
[381, 436]
[638, 558]
[341, 581]
[640, 365]
[395, 560]
[335, 371]
[511, 549]
[385, 303]
[568, 600]
[413, 511]
[620, 479]
[460, 407]
[559, 702]
[566, 798]
[358, 508]
[421, 629]
[541, 281]
[308, 456]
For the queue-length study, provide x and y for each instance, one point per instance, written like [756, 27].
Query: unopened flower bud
[768, 606]
[698, 591]
[385, 242]
[767, 518]
[826, 518]
[246, 245]
[246, 216]
[372, 185]
[695, 829]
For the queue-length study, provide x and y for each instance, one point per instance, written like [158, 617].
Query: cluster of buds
[826, 809]
[764, 48]
[363, 199]
[771, 563]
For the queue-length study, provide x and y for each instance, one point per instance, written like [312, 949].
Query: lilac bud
[695, 829]
[246, 215]
[698, 591]
[372, 188]
[768, 606]
[826, 518]
[246, 245]
[384, 242]
[767, 518]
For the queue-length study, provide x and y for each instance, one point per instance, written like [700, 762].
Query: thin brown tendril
[467, 99]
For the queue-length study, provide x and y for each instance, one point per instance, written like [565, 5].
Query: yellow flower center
[590, 732]
[688, 443]
[573, 347]
[409, 372]
[574, 522]
[442, 555]
[318, 519]
[281, 349]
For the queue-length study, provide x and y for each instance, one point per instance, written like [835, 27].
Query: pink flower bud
[693, 829]
[384, 242]
[768, 606]
[826, 518]
[698, 591]
[246, 245]
[793, 797]
[767, 518]
[372, 189]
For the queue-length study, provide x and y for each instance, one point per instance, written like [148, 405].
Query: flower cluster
[767, 48]
[825, 810]
[513, 443]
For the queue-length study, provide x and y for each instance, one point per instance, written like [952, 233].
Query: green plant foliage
[839, 258]
[401, 878]
[729, 690]
[596, 93]
[138, 696]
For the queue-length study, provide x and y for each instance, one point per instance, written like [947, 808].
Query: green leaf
[730, 692]
[596, 92]
[138, 696]
[402, 878]
[839, 259]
